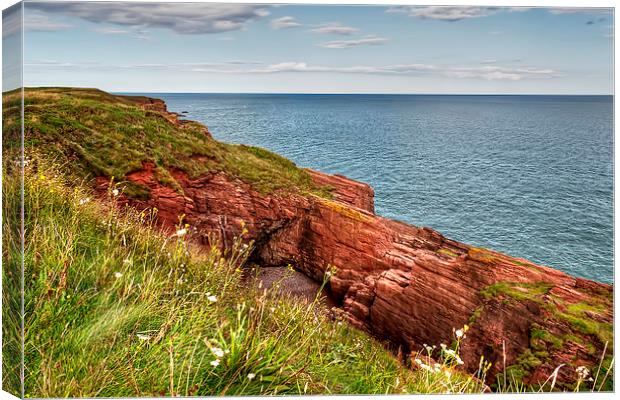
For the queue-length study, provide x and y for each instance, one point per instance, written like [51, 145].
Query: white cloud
[42, 23]
[445, 13]
[136, 33]
[183, 18]
[335, 29]
[284, 23]
[575, 10]
[345, 44]
[486, 72]
[112, 31]
[492, 73]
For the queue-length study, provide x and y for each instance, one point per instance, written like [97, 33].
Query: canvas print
[226, 199]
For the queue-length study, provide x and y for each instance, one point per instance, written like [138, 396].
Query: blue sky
[206, 47]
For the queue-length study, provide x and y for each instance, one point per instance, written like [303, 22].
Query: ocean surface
[530, 176]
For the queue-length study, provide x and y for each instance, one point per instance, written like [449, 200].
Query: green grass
[447, 252]
[107, 135]
[114, 308]
[11, 256]
[516, 290]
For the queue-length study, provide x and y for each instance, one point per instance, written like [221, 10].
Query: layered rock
[406, 284]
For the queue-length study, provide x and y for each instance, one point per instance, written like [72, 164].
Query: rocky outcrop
[345, 190]
[407, 284]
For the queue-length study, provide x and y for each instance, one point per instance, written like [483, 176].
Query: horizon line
[371, 93]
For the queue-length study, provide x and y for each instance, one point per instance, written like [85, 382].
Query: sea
[530, 176]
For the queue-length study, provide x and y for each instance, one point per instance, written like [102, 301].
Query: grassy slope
[108, 135]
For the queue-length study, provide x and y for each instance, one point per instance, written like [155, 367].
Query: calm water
[531, 176]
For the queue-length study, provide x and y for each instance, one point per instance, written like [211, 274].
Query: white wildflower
[219, 353]
[458, 333]
[143, 337]
[181, 232]
[215, 362]
[117, 275]
[582, 372]
[418, 361]
[212, 298]
[84, 201]
[251, 376]
[115, 192]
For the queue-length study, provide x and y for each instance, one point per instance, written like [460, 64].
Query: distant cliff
[406, 284]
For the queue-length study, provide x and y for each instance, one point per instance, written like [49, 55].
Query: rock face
[406, 284]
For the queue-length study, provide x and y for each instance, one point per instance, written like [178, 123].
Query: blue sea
[530, 176]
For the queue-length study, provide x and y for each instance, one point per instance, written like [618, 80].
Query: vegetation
[581, 317]
[106, 135]
[447, 252]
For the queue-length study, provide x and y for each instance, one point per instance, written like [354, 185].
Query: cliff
[409, 285]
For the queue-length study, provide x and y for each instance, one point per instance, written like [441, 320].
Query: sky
[250, 48]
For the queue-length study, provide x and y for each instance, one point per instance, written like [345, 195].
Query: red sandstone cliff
[399, 282]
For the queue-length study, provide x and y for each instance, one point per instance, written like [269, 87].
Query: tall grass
[116, 308]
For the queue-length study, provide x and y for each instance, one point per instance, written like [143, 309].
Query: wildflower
[212, 298]
[143, 337]
[115, 192]
[181, 232]
[272, 309]
[117, 275]
[251, 376]
[418, 361]
[582, 372]
[450, 352]
[219, 353]
[84, 201]
[215, 362]
[448, 374]
[458, 333]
